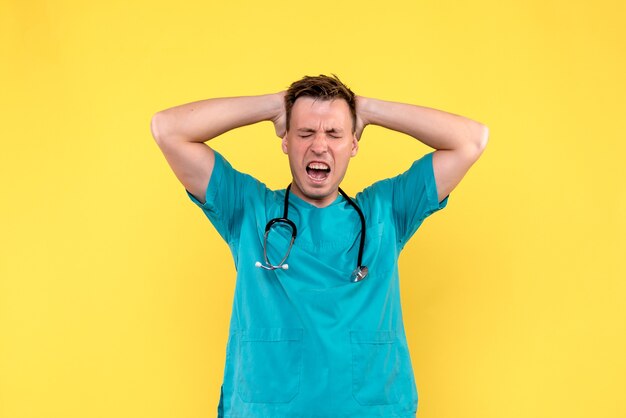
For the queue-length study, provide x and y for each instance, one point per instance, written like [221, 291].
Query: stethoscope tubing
[359, 273]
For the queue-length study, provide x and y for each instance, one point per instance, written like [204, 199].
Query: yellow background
[115, 291]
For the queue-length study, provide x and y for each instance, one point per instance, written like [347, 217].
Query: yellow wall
[115, 291]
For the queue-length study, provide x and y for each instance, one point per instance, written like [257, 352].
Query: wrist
[363, 110]
[276, 105]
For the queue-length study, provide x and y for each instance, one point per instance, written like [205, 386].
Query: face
[319, 144]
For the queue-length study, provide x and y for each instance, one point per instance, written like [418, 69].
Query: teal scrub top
[307, 342]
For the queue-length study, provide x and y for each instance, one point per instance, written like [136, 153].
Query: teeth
[319, 166]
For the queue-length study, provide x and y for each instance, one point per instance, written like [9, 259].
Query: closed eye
[305, 132]
[334, 133]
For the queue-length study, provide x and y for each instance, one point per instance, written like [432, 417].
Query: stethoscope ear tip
[257, 264]
[285, 266]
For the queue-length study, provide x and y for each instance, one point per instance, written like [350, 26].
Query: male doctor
[316, 327]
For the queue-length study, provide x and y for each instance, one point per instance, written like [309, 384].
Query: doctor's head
[321, 136]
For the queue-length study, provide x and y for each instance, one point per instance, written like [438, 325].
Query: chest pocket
[379, 373]
[270, 364]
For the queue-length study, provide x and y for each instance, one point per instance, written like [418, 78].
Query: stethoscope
[357, 275]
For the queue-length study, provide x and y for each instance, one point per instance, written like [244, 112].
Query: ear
[355, 145]
[284, 143]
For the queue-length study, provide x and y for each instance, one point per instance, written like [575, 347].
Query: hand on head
[361, 123]
[280, 120]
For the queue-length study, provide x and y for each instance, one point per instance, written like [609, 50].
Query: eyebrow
[332, 130]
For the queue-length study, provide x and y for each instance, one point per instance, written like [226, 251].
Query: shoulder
[229, 188]
[411, 192]
[383, 189]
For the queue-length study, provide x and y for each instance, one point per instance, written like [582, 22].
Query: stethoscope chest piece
[359, 274]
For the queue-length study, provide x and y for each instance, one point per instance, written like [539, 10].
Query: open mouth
[318, 171]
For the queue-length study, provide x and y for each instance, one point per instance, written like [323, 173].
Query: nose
[319, 144]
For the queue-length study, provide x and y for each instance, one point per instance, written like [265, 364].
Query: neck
[320, 202]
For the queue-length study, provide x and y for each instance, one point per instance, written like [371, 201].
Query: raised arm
[458, 141]
[181, 131]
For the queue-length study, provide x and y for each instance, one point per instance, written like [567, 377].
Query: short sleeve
[224, 198]
[412, 197]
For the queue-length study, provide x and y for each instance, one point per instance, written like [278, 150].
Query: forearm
[435, 128]
[204, 120]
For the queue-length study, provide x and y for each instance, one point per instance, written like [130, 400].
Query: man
[316, 328]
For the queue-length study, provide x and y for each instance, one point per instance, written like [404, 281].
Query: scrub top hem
[316, 416]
